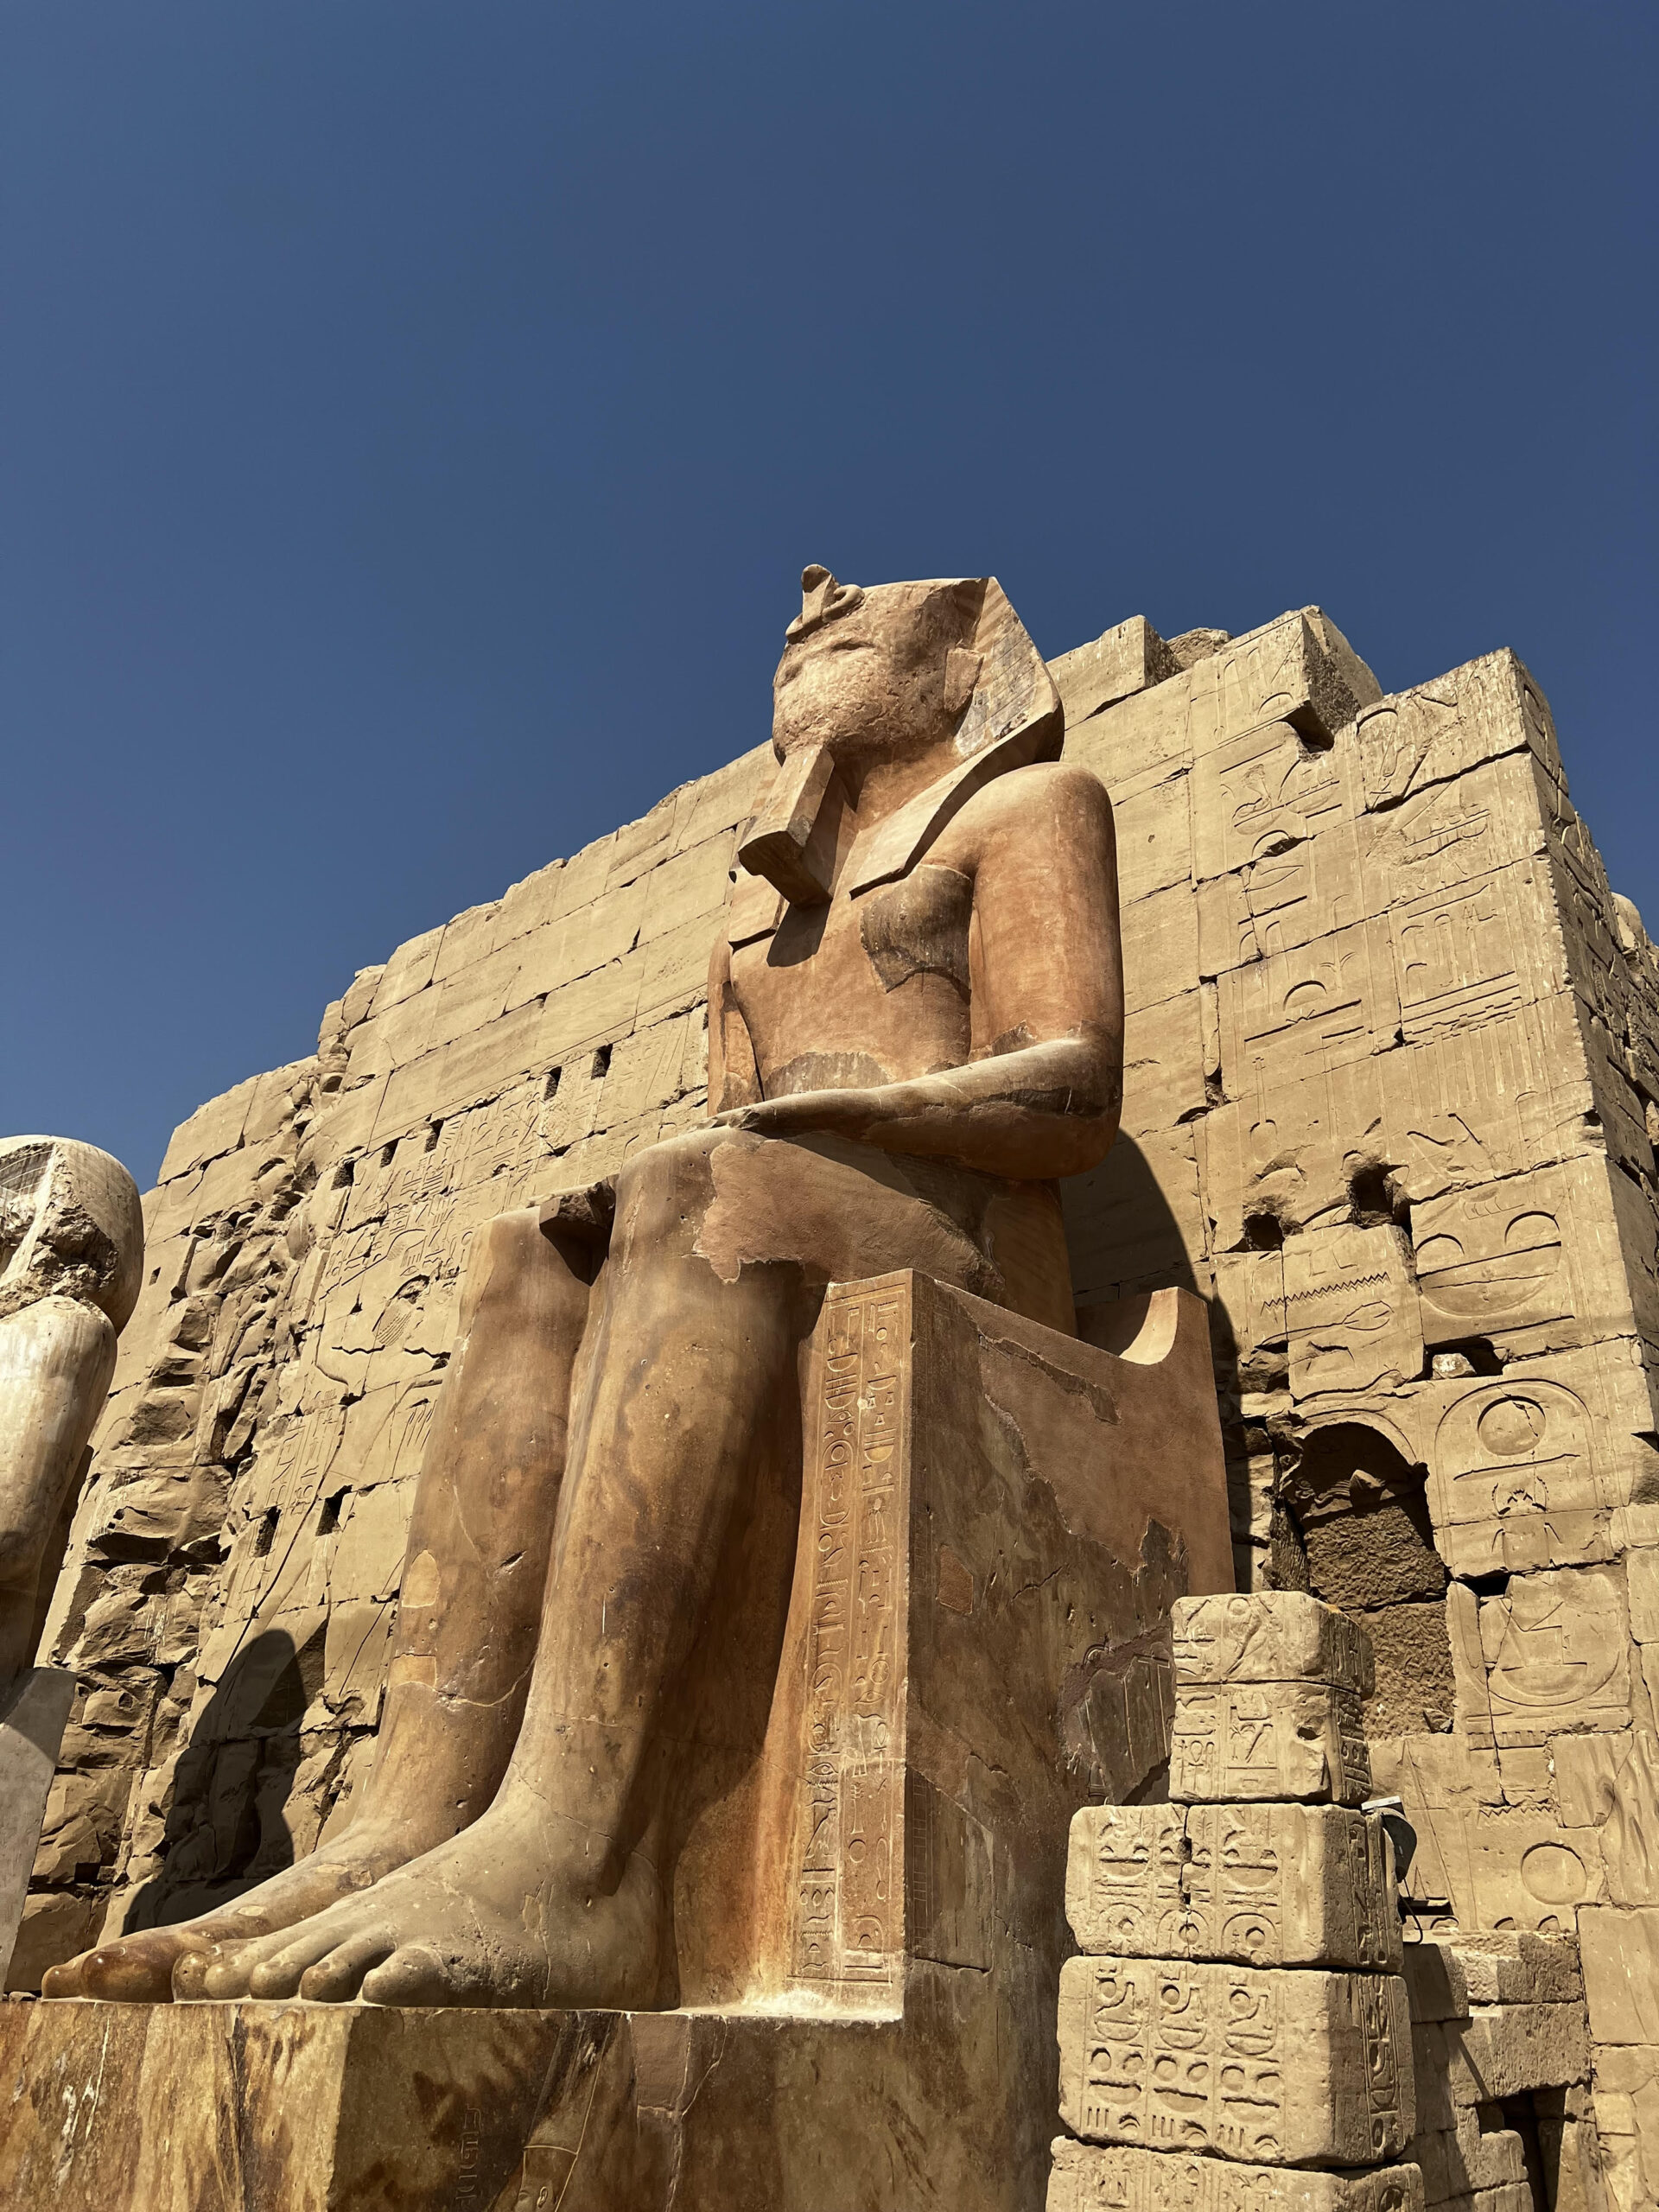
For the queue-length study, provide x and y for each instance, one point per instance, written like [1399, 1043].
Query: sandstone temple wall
[1393, 1070]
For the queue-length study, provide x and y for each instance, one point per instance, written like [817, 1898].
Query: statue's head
[895, 672]
[71, 1224]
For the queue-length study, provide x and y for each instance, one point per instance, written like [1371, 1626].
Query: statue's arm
[1040, 1095]
[733, 1079]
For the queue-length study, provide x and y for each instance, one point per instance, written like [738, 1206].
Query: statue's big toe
[139, 1971]
[64, 1980]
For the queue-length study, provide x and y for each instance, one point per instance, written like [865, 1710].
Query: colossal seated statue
[915, 1027]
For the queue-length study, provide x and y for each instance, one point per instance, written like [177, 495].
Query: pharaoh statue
[915, 1027]
[72, 1257]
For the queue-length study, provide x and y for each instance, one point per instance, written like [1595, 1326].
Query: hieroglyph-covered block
[1268, 2067]
[1271, 1635]
[1267, 1700]
[1267, 1885]
[1551, 1657]
[1110, 2177]
[1258, 1740]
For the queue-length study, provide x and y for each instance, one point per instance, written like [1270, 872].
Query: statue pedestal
[291, 2107]
[869, 1902]
[34, 1713]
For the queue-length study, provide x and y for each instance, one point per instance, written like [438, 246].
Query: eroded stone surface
[245, 2108]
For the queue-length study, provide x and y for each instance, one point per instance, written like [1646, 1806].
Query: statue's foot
[138, 1970]
[484, 1919]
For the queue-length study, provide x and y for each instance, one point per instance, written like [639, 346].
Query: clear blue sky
[415, 418]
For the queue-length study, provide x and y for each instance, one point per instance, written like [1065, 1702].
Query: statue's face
[870, 684]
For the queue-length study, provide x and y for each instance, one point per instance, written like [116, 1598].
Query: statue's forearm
[1044, 1110]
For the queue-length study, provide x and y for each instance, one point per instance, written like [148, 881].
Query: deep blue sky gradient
[414, 418]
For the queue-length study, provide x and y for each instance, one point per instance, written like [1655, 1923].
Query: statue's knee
[656, 1188]
[505, 1251]
[515, 1238]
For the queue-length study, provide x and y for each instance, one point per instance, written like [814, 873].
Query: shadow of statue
[1125, 1237]
[227, 1822]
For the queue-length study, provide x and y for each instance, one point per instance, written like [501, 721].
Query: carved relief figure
[71, 1256]
[916, 1025]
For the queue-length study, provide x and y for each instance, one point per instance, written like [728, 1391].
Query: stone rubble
[1301, 2059]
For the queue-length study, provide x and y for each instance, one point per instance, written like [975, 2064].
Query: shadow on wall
[226, 1825]
[1123, 1237]
[1363, 1540]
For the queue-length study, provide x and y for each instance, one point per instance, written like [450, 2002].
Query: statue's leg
[464, 1639]
[553, 1895]
[56, 1358]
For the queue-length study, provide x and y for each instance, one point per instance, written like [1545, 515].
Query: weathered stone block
[1268, 1886]
[1269, 2067]
[1105, 2177]
[872, 1835]
[1488, 707]
[1621, 1973]
[1448, 1978]
[1123, 660]
[1550, 1655]
[1273, 1635]
[1268, 1702]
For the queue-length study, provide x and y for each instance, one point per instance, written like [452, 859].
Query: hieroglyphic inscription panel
[1110, 2177]
[1262, 2066]
[848, 1931]
[1263, 1884]
[1257, 1740]
[1267, 1700]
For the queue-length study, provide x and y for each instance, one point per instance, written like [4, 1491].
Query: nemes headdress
[1013, 716]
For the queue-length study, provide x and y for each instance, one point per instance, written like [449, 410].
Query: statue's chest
[879, 985]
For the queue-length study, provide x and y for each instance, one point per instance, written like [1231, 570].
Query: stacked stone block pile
[1236, 2031]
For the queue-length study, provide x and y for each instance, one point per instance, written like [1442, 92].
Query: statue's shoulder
[1037, 797]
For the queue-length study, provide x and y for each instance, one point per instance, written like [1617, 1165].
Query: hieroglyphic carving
[1262, 1740]
[1256, 795]
[1291, 1152]
[1258, 2066]
[1307, 1012]
[1512, 1485]
[848, 1912]
[1553, 1657]
[407, 1206]
[1350, 1311]
[1278, 674]
[1629, 1807]
[1488, 707]
[1269, 1885]
[1271, 1635]
[1267, 1700]
[1110, 2177]
[1490, 1261]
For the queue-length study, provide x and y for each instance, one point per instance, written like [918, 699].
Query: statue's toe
[64, 1980]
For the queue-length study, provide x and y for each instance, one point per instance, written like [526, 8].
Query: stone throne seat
[995, 1520]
